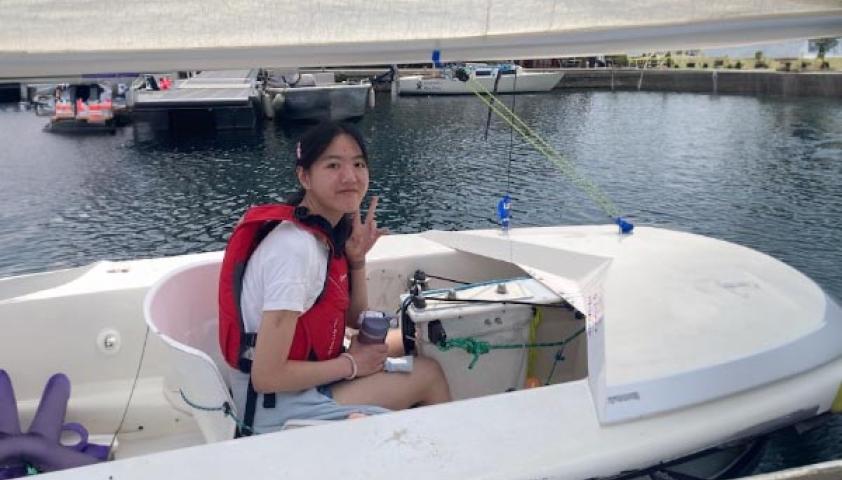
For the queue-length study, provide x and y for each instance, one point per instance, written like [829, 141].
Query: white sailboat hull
[56, 321]
[525, 82]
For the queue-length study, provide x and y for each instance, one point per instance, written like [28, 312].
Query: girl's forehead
[344, 141]
[343, 146]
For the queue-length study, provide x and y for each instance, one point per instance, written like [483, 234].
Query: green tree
[758, 60]
[825, 44]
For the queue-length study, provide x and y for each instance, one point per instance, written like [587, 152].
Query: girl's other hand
[369, 357]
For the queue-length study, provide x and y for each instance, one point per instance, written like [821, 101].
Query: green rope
[225, 408]
[477, 348]
[532, 355]
[567, 169]
[559, 357]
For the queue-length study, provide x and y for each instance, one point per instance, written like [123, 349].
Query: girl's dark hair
[313, 144]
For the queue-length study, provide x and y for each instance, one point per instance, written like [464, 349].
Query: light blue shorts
[312, 404]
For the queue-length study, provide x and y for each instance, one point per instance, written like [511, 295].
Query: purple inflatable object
[40, 446]
[9, 423]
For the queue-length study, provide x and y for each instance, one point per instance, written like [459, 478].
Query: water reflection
[760, 171]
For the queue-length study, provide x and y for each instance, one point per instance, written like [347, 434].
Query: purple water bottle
[374, 326]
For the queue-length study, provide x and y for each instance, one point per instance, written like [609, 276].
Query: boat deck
[211, 88]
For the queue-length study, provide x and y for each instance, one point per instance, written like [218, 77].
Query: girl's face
[337, 181]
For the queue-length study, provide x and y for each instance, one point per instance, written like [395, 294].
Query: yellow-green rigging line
[567, 169]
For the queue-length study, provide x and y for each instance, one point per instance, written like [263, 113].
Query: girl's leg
[394, 342]
[425, 385]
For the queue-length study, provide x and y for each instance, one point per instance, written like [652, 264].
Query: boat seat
[181, 309]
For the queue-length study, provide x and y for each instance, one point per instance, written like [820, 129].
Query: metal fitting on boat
[108, 341]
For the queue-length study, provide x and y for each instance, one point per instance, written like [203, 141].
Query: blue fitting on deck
[504, 211]
[625, 227]
[437, 58]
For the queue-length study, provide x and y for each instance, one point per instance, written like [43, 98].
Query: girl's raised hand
[363, 234]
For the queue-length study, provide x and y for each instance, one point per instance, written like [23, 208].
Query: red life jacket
[321, 329]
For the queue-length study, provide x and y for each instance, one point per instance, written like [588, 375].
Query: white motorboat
[81, 108]
[679, 329]
[691, 347]
[454, 80]
[316, 96]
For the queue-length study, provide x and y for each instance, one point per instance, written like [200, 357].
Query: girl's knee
[426, 372]
[433, 380]
[428, 368]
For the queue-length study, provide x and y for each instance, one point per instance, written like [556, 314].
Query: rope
[225, 408]
[477, 348]
[532, 355]
[563, 305]
[565, 167]
[131, 392]
[446, 279]
[511, 138]
[465, 285]
[559, 357]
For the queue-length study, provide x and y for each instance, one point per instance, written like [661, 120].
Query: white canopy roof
[69, 37]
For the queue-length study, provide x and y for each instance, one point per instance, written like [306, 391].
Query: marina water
[759, 171]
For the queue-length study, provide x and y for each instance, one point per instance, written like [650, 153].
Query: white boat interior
[679, 330]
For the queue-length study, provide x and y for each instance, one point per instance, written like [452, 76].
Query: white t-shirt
[286, 272]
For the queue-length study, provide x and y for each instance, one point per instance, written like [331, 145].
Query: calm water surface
[762, 172]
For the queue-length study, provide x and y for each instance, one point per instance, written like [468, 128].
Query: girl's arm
[272, 371]
[359, 293]
[363, 237]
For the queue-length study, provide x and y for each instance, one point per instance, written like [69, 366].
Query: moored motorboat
[316, 96]
[80, 108]
[454, 80]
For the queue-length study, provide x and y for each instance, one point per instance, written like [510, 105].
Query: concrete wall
[706, 81]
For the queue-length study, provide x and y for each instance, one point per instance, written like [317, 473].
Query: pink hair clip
[298, 151]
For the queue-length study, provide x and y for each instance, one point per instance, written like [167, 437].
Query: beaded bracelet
[353, 365]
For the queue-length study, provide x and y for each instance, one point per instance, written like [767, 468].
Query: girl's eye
[333, 165]
[361, 165]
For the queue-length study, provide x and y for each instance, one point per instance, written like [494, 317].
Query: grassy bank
[758, 62]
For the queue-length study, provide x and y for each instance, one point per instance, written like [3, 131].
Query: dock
[220, 100]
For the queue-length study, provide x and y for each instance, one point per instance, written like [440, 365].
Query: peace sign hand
[363, 234]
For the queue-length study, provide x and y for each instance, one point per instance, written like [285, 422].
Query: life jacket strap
[248, 416]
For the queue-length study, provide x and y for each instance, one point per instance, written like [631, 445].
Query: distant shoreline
[725, 81]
